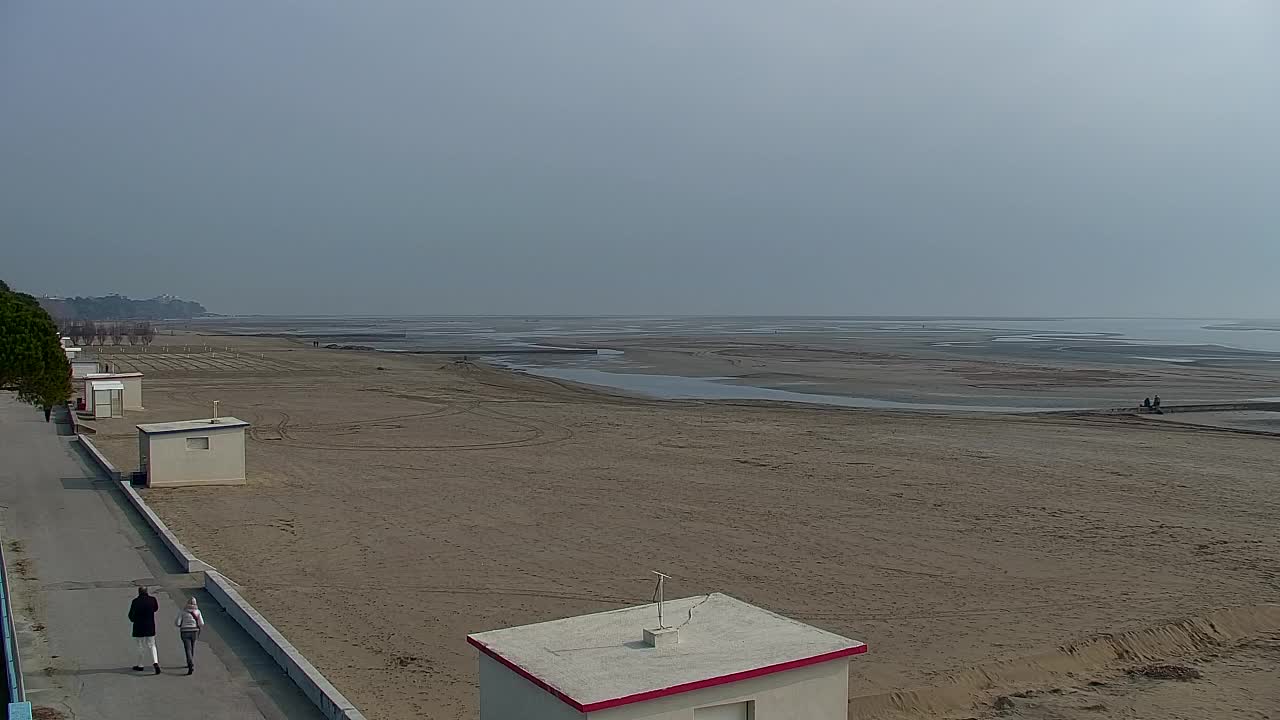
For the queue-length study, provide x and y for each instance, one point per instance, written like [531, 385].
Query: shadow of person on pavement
[99, 671]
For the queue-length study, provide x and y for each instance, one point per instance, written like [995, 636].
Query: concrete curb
[75, 421]
[99, 458]
[190, 563]
[303, 673]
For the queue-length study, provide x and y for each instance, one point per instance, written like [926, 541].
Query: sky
[1020, 157]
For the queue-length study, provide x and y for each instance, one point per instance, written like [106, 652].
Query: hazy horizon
[990, 159]
[213, 315]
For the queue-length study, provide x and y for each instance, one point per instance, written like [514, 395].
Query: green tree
[32, 360]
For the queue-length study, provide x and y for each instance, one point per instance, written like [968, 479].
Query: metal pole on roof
[657, 594]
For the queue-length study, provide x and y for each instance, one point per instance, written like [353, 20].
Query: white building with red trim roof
[717, 658]
[132, 382]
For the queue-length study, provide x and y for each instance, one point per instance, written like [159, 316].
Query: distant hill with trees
[119, 307]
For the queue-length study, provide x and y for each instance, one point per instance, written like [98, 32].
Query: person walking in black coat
[142, 613]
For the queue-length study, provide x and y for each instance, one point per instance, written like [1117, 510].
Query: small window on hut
[198, 443]
[734, 711]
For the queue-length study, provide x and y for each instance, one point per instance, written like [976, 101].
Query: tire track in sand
[541, 433]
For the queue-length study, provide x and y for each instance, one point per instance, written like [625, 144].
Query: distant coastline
[1242, 326]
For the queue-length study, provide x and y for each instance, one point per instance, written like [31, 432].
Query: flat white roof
[192, 426]
[108, 385]
[595, 662]
[95, 376]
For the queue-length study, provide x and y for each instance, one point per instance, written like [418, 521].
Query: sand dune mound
[1099, 656]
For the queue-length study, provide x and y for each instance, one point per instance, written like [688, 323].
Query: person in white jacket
[190, 623]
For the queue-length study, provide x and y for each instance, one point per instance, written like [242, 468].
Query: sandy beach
[397, 503]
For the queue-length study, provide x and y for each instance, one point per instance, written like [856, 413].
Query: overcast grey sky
[739, 156]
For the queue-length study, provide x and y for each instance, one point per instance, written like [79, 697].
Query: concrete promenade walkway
[76, 554]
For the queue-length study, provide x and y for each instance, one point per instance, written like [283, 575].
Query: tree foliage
[89, 332]
[32, 360]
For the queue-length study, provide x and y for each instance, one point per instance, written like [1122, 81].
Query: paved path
[76, 554]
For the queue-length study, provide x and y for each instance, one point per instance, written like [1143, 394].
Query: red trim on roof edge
[527, 675]
[723, 679]
[674, 689]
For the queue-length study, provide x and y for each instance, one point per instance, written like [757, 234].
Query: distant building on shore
[717, 659]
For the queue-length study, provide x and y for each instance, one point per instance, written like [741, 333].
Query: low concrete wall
[99, 458]
[308, 679]
[303, 673]
[190, 563]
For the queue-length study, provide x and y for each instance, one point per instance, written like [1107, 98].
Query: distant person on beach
[142, 613]
[190, 623]
[1156, 403]
[1146, 404]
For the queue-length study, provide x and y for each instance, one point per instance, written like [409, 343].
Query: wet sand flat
[391, 511]
[904, 369]
[1259, 421]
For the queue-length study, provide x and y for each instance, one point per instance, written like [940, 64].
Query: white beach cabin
[71, 352]
[132, 389]
[718, 659]
[104, 398]
[192, 452]
[82, 368]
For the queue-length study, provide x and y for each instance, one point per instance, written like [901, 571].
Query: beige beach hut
[132, 388]
[82, 368]
[192, 452]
